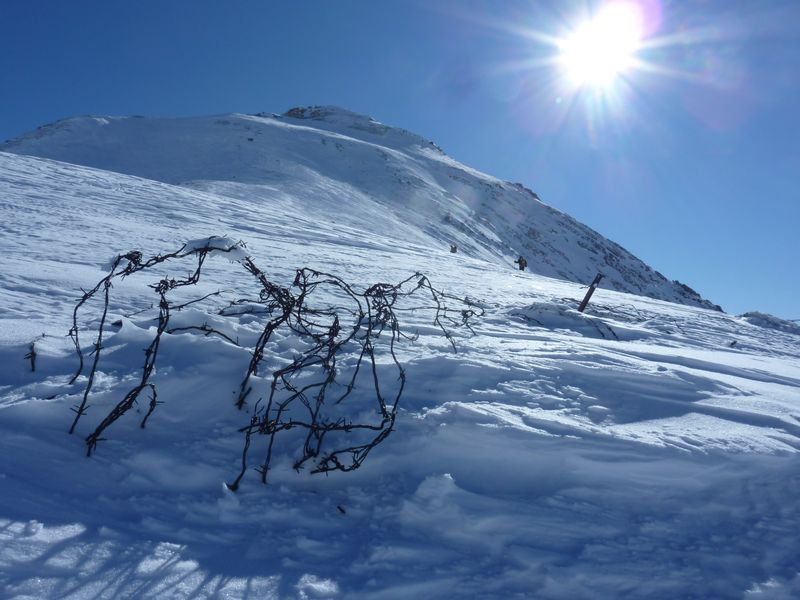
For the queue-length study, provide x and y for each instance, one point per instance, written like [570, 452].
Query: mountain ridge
[323, 158]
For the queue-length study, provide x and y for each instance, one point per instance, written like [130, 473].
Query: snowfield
[642, 449]
[320, 162]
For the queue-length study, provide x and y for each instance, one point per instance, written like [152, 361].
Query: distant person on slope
[522, 263]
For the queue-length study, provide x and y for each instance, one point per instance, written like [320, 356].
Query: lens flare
[603, 48]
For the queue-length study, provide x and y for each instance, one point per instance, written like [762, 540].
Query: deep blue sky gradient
[697, 173]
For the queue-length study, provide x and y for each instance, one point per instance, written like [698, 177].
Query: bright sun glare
[605, 47]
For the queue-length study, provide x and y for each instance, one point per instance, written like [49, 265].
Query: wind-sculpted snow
[640, 449]
[322, 159]
[772, 322]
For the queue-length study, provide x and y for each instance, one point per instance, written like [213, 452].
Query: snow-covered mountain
[314, 160]
[642, 450]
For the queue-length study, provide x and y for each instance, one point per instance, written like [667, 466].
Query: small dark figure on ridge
[522, 263]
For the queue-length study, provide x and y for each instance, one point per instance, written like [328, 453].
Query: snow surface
[633, 451]
[322, 160]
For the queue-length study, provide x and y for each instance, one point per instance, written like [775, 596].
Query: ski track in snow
[628, 452]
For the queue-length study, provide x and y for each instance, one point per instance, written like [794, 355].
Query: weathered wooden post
[590, 291]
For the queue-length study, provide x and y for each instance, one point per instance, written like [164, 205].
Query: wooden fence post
[590, 291]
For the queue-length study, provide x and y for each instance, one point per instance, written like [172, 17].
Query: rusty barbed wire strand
[341, 341]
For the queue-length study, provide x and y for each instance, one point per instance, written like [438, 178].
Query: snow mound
[559, 316]
[234, 250]
[771, 322]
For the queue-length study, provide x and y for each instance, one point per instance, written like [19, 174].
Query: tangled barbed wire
[347, 336]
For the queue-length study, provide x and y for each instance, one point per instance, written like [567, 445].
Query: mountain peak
[328, 113]
[338, 119]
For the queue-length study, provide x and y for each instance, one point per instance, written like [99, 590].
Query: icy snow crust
[322, 160]
[628, 452]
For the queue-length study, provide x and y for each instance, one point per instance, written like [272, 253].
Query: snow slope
[321, 160]
[634, 451]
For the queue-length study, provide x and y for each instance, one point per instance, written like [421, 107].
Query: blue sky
[692, 164]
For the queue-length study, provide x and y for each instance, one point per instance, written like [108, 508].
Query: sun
[603, 48]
